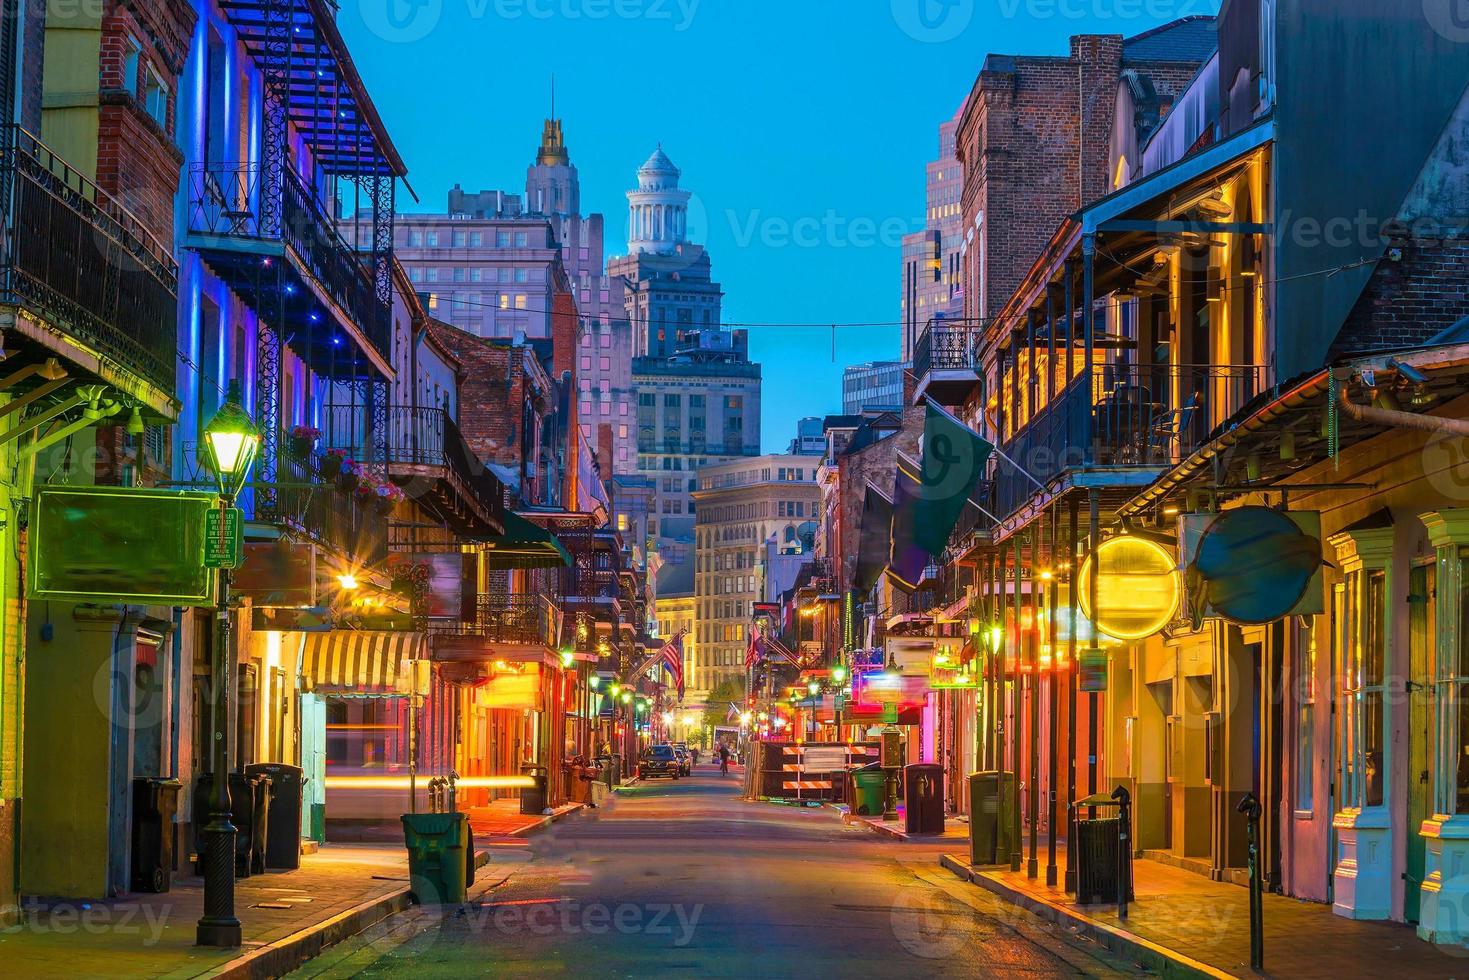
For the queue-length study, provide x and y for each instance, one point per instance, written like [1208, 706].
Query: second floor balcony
[514, 628]
[425, 454]
[77, 260]
[944, 361]
[348, 523]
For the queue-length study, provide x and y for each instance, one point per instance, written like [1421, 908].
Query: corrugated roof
[1188, 39]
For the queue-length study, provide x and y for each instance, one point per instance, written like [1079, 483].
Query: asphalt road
[684, 879]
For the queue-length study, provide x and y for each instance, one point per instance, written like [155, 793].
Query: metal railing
[1123, 415]
[76, 257]
[415, 437]
[527, 619]
[342, 521]
[944, 346]
[225, 199]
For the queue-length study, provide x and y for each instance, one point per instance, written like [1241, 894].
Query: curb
[284, 955]
[1159, 959]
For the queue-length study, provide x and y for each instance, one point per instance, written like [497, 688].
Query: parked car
[685, 758]
[660, 760]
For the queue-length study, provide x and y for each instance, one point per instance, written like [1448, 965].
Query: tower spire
[553, 144]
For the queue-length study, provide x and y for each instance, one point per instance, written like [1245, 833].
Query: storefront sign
[1136, 584]
[824, 758]
[277, 573]
[877, 687]
[1252, 565]
[291, 620]
[1091, 674]
[911, 654]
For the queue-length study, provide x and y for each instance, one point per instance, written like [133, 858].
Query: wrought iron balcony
[345, 522]
[76, 258]
[944, 360]
[422, 443]
[527, 620]
[1123, 416]
[320, 291]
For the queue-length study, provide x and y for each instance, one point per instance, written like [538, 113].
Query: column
[1445, 890]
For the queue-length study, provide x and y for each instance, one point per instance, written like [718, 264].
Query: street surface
[684, 879]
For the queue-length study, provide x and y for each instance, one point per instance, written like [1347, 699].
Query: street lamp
[231, 441]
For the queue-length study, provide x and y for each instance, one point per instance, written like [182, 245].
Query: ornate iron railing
[944, 346]
[341, 520]
[77, 258]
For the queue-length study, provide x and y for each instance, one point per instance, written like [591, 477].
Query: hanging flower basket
[301, 440]
[387, 497]
[349, 476]
[331, 464]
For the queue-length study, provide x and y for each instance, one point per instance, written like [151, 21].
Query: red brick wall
[563, 335]
[1409, 301]
[137, 161]
[491, 395]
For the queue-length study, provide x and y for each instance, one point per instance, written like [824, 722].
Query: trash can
[155, 801]
[261, 790]
[533, 798]
[282, 845]
[439, 856]
[247, 814]
[1099, 854]
[869, 783]
[990, 820]
[923, 798]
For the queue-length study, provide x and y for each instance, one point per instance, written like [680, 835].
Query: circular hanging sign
[1137, 587]
[1253, 566]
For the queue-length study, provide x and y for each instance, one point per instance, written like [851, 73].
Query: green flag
[954, 458]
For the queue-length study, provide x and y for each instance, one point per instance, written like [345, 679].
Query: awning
[360, 662]
[524, 545]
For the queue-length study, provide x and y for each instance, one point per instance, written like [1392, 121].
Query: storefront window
[1362, 683]
[1459, 685]
[1305, 718]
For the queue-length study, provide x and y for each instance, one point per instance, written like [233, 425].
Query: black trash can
[282, 845]
[249, 804]
[155, 801]
[1101, 858]
[533, 798]
[923, 798]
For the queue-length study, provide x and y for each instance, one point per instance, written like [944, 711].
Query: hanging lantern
[1137, 587]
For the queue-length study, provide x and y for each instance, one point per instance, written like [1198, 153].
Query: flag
[733, 712]
[906, 558]
[874, 538]
[754, 648]
[673, 660]
[954, 460]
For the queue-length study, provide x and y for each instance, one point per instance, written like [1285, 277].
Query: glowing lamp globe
[230, 443]
[1137, 587]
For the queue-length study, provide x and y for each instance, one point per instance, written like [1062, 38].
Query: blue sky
[802, 127]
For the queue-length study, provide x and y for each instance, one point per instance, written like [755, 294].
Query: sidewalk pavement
[287, 916]
[956, 831]
[1183, 924]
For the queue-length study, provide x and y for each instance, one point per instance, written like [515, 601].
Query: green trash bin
[869, 787]
[438, 857]
[991, 817]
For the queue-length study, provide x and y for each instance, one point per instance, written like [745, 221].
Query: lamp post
[230, 443]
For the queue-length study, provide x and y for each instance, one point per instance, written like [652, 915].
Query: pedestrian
[723, 759]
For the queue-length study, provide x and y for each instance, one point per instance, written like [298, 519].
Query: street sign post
[224, 538]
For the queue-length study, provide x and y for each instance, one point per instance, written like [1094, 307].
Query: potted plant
[349, 475]
[302, 439]
[388, 496]
[331, 463]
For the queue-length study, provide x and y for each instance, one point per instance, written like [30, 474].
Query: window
[415, 237]
[521, 239]
[476, 275]
[431, 275]
[476, 239]
[1305, 719]
[433, 239]
[502, 239]
[522, 275]
[520, 301]
[459, 239]
[1362, 633]
[155, 97]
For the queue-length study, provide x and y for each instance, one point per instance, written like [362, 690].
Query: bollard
[1250, 807]
[1124, 847]
[453, 804]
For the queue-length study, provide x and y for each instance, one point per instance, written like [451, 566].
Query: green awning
[524, 545]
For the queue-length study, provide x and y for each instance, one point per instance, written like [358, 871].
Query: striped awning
[360, 662]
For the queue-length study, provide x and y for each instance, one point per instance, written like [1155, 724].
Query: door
[1420, 695]
[312, 721]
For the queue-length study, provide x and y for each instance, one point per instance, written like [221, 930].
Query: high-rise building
[742, 504]
[874, 386]
[810, 437]
[698, 394]
[931, 257]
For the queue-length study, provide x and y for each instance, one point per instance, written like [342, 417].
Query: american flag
[754, 648]
[673, 660]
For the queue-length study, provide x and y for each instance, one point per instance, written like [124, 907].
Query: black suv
[660, 760]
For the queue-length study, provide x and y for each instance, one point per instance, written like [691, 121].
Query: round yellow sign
[1138, 588]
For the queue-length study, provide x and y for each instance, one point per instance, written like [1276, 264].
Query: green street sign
[890, 713]
[224, 538]
[841, 702]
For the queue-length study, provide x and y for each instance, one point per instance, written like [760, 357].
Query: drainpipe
[1394, 418]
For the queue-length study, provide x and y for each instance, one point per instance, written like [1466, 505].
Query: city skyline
[820, 243]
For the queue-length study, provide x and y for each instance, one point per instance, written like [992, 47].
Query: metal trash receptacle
[247, 813]
[155, 801]
[282, 844]
[1100, 855]
[990, 819]
[923, 798]
[533, 798]
[869, 786]
[439, 856]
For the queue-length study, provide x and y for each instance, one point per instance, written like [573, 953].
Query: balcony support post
[1050, 343]
[1030, 378]
[1089, 327]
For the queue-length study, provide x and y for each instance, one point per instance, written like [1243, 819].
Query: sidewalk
[502, 818]
[1183, 924]
[956, 832]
